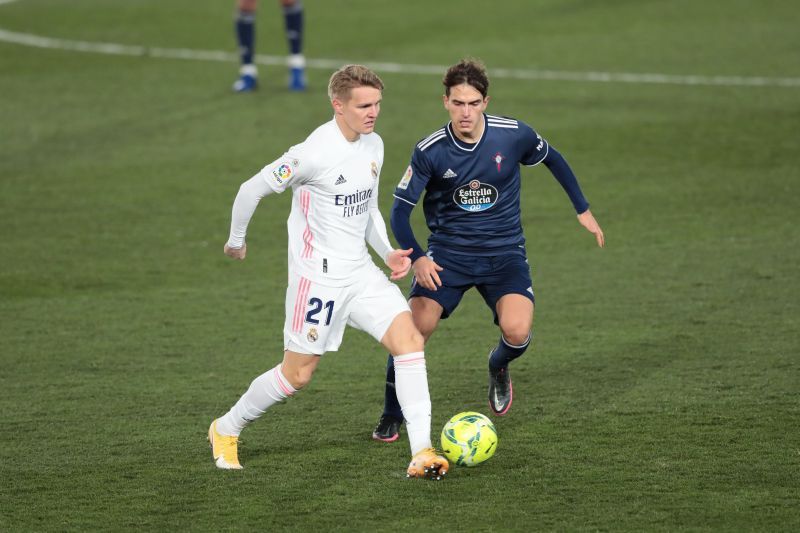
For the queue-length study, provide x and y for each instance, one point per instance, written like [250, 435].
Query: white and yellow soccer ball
[468, 439]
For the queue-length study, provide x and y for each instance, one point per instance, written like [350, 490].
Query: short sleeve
[533, 147]
[415, 179]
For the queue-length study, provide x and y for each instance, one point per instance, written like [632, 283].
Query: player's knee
[416, 341]
[410, 341]
[426, 329]
[299, 377]
[516, 333]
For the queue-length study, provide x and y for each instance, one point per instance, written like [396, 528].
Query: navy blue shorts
[493, 276]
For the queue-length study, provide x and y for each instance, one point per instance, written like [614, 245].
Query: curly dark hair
[469, 71]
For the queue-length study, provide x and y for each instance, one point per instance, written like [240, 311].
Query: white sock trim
[283, 383]
[296, 61]
[527, 341]
[248, 70]
[409, 359]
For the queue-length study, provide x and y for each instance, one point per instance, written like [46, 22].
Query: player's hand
[399, 262]
[236, 253]
[426, 271]
[587, 221]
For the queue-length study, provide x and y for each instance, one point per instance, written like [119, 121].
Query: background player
[245, 27]
[333, 175]
[469, 171]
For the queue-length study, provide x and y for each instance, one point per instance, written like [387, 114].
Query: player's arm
[558, 166]
[406, 195]
[250, 193]
[426, 271]
[378, 239]
[275, 177]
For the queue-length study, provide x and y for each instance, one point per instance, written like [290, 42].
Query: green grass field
[663, 389]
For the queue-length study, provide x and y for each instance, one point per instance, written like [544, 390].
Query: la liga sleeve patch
[406, 179]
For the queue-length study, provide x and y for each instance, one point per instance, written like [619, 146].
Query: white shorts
[317, 314]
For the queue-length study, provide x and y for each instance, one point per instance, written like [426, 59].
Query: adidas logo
[449, 174]
[340, 180]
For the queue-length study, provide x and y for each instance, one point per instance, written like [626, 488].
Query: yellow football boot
[224, 448]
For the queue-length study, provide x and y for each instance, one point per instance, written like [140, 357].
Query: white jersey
[334, 186]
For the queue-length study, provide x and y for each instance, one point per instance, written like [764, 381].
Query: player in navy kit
[469, 172]
[245, 28]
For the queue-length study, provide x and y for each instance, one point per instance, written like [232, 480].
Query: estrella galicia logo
[475, 196]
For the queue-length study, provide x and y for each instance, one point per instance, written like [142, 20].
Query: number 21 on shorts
[315, 307]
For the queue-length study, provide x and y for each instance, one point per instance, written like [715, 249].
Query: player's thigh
[510, 275]
[426, 314]
[247, 5]
[316, 316]
[403, 337]
[455, 282]
[379, 301]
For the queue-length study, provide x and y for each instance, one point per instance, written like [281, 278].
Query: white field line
[36, 41]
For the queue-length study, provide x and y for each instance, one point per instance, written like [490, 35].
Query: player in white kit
[333, 175]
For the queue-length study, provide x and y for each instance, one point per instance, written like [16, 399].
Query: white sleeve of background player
[250, 193]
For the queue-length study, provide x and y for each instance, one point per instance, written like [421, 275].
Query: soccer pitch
[662, 390]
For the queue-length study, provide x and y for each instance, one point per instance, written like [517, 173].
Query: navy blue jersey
[472, 191]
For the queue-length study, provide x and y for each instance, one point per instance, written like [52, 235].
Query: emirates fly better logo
[475, 196]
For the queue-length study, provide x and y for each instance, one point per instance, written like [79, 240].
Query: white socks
[411, 385]
[265, 391]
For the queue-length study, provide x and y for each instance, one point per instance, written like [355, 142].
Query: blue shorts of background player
[493, 277]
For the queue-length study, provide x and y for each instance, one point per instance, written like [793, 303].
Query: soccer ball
[468, 439]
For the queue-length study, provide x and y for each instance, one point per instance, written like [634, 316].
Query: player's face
[466, 105]
[357, 115]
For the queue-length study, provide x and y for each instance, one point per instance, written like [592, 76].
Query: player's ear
[486, 102]
[444, 100]
[337, 106]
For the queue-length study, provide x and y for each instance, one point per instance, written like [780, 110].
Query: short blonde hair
[348, 78]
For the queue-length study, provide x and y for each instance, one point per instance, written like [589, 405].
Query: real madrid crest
[374, 169]
[312, 335]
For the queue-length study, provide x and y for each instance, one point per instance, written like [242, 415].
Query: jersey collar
[461, 145]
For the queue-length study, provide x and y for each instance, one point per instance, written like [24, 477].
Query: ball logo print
[469, 439]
